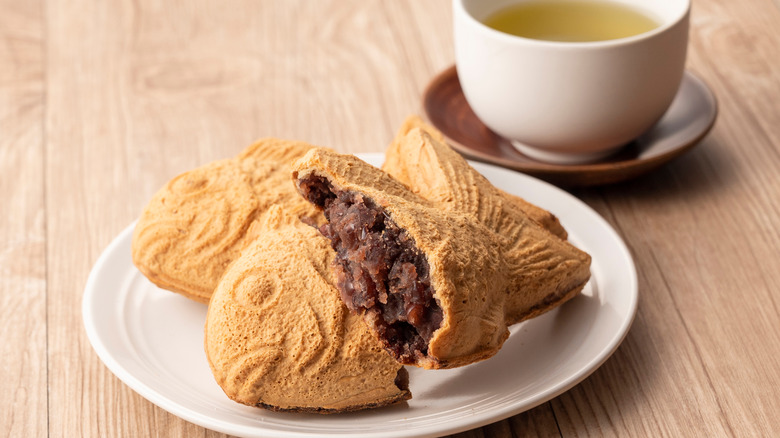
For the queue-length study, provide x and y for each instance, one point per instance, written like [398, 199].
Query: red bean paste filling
[379, 270]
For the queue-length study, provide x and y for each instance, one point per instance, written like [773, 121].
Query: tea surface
[570, 21]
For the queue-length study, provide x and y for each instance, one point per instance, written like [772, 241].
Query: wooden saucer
[688, 120]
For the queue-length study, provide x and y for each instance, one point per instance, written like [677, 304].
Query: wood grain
[704, 235]
[103, 102]
[94, 186]
[23, 366]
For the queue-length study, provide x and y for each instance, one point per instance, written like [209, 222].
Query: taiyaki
[437, 280]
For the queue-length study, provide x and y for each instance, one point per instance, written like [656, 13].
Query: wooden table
[101, 102]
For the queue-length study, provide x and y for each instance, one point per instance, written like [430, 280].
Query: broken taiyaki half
[437, 286]
[277, 335]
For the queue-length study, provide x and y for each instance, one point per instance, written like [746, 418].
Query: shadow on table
[705, 169]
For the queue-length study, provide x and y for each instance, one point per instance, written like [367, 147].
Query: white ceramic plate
[153, 341]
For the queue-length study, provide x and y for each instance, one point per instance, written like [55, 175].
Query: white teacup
[568, 102]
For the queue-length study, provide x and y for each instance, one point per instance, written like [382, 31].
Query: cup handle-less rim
[460, 8]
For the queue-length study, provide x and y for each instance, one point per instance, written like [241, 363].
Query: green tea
[570, 20]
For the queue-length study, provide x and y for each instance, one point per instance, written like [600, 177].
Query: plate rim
[501, 412]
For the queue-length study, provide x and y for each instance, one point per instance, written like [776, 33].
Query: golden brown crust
[436, 172]
[198, 222]
[278, 336]
[433, 170]
[490, 265]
